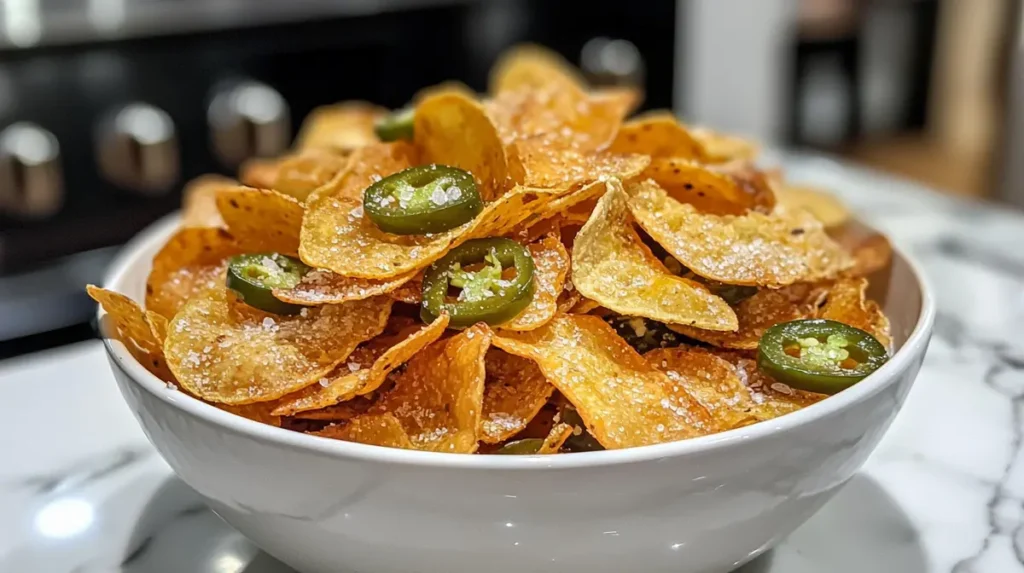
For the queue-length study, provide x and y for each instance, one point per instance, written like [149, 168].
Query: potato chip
[259, 172]
[767, 307]
[871, 250]
[553, 442]
[410, 292]
[227, 352]
[199, 201]
[753, 249]
[575, 206]
[300, 175]
[130, 326]
[344, 126]
[439, 397]
[193, 260]
[847, 304]
[658, 134]
[530, 68]
[261, 219]
[365, 369]
[324, 287]
[612, 266]
[624, 401]
[258, 412]
[549, 167]
[585, 306]
[770, 399]
[157, 327]
[825, 206]
[372, 429]
[710, 380]
[515, 391]
[710, 190]
[551, 264]
[452, 129]
[365, 166]
[336, 235]
[339, 412]
[721, 147]
[568, 299]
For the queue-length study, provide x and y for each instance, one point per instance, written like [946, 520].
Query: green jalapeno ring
[254, 276]
[424, 199]
[524, 447]
[821, 376]
[396, 125]
[512, 296]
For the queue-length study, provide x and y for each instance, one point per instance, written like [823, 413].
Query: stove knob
[31, 184]
[138, 149]
[608, 62]
[248, 119]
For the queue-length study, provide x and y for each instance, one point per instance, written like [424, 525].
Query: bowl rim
[159, 231]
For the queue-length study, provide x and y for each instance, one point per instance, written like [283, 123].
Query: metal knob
[137, 149]
[248, 119]
[31, 184]
[611, 62]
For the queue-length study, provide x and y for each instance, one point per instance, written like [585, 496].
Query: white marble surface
[82, 491]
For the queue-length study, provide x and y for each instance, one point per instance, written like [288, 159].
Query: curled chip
[770, 399]
[550, 264]
[365, 166]
[339, 412]
[572, 208]
[199, 201]
[533, 68]
[847, 304]
[825, 207]
[711, 190]
[871, 251]
[224, 351]
[336, 235]
[324, 287]
[624, 401]
[555, 438]
[302, 174]
[373, 429]
[131, 328]
[364, 370]
[439, 397]
[766, 308]
[259, 172]
[658, 134]
[550, 167]
[753, 249]
[610, 265]
[342, 127]
[451, 129]
[710, 380]
[192, 261]
[261, 219]
[514, 393]
[721, 147]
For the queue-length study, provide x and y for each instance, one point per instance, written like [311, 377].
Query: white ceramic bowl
[702, 505]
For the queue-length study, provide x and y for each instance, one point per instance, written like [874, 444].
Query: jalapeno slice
[424, 199]
[524, 447]
[254, 276]
[487, 294]
[818, 355]
[395, 125]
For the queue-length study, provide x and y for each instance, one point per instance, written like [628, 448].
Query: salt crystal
[324, 382]
[268, 322]
[438, 196]
[353, 366]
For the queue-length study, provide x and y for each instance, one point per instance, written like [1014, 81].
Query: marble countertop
[82, 491]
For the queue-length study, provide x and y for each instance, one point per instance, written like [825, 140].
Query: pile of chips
[661, 255]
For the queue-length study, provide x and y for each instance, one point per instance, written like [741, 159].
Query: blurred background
[108, 106]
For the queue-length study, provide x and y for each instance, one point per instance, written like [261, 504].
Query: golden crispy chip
[533, 229]
[338, 412]
[336, 235]
[199, 201]
[551, 264]
[754, 249]
[439, 397]
[556, 437]
[259, 172]
[344, 126]
[574, 207]
[658, 134]
[825, 206]
[710, 190]
[131, 328]
[324, 287]
[624, 401]
[515, 392]
[224, 351]
[533, 68]
[770, 399]
[847, 304]
[871, 250]
[365, 166]
[302, 174]
[410, 292]
[568, 299]
[550, 167]
[452, 129]
[612, 266]
[193, 260]
[373, 429]
[756, 314]
[258, 412]
[710, 380]
[365, 369]
[721, 147]
[157, 327]
[261, 219]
